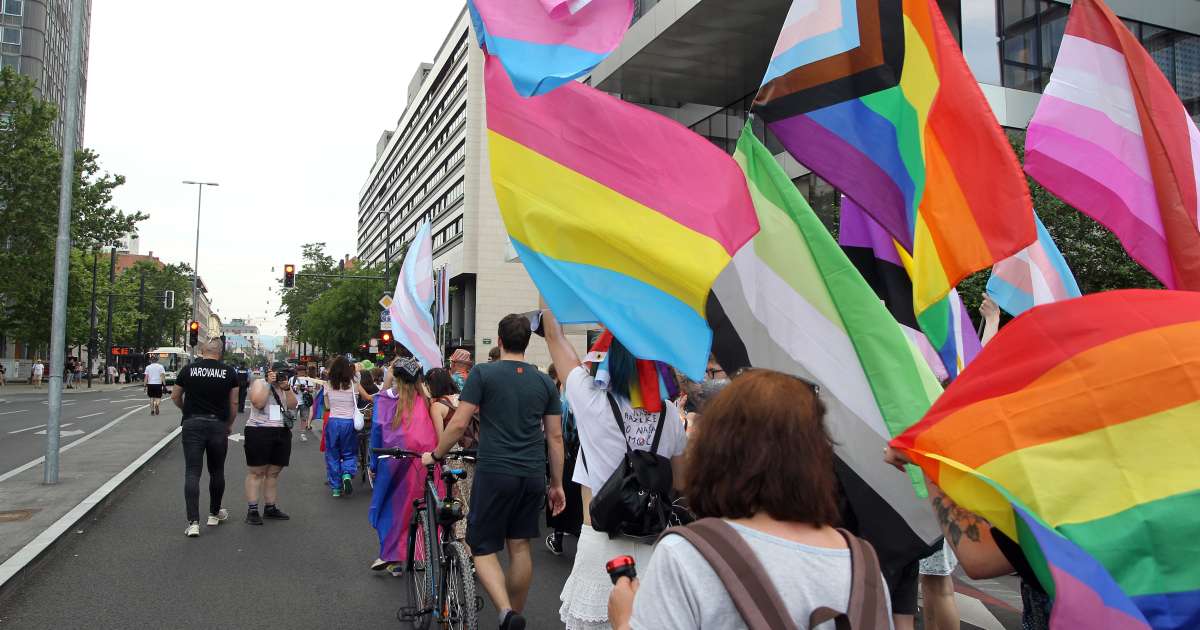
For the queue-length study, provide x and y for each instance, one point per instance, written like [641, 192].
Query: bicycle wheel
[462, 612]
[420, 594]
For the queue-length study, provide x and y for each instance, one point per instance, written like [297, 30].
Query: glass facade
[1032, 30]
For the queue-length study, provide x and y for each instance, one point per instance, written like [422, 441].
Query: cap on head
[407, 369]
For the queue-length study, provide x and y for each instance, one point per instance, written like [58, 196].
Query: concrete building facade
[34, 38]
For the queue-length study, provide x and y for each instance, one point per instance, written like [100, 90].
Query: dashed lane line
[20, 469]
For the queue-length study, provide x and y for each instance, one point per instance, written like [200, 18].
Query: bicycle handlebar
[399, 452]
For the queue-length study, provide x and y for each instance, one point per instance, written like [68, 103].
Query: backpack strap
[658, 429]
[867, 606]
[743, 576]
[612, 402]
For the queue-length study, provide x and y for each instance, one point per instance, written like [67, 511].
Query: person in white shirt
[602, 449]
[155, 373]
[38, 370]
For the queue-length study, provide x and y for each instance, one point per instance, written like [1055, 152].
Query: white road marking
[66, 404]
[40, 426]
[98, 413]
[236, 437]
[17, 411]
[64, 433]
[117, 402]
[136, 407]
[20, 469]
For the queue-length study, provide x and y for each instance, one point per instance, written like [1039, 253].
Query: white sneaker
[303, 436]
[193, 530]
[216, 519]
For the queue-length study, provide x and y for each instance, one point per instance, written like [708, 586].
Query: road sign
[374, 343]
[121, 351]
[385, 301]
[385, 320]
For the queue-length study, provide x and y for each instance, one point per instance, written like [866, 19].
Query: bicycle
[441, 586]
[364, 440]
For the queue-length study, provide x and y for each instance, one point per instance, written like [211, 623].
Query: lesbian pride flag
[1075, 433]
[1111, 138]
[1037, 275]
[620, 216]
[546, 43]
[412, 302]
[875, 97]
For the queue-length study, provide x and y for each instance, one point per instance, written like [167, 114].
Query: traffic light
[194, 333]
[169, 300]
[385, 338]
[289, 276]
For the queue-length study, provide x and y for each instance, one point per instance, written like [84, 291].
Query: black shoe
[513, 621]
[252, 518]
[554, 542]
[275, 513]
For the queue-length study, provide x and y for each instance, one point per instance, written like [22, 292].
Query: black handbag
[637, 501]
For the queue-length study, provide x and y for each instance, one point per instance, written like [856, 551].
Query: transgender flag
[546, 43]
[412, 301]
[1037, 275]
[1111, 138]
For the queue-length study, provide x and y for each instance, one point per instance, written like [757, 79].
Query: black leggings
[203, 436]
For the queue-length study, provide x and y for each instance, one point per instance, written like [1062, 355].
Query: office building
[433, 167]
[34, 40]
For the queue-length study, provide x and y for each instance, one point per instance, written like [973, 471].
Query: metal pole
[141, 302]
[62, 252]
[112, 281]
[196, 264]
[92, 316]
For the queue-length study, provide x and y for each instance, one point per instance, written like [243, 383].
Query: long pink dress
[399, 481]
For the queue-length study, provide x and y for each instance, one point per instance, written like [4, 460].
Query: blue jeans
[341, 450]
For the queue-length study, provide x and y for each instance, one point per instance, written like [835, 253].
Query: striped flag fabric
[412, 301]
[443, 295]
[1079, 441]
[875, 97]
[1037, 275]
[792, 301]
[546, 43]
[1111, 138]
[943, 333]
[620, 216]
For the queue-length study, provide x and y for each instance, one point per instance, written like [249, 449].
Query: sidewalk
[16, 389]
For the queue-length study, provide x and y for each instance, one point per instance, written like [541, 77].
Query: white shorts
[585, 594]
[940, 563]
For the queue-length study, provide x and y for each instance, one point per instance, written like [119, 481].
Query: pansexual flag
[1075, 433]
[1111, 138]
[1037, 275]
[621, 216]
[791, 301]
[412, 301]
[943, 333]
[546, 43]
[875, 97]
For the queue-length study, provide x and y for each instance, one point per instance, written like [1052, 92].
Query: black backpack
[637, 500]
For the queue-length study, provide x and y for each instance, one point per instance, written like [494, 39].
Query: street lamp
[387, 248]
[196, 267]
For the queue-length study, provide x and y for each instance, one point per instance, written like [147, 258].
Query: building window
[1031, 32]
[12, 36]
[10, 61]
[14, 7]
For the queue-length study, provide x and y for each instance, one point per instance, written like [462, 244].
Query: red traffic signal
[385, 337]
[289, 276]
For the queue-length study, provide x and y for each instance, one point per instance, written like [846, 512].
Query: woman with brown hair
[341, 442]
[763, 463]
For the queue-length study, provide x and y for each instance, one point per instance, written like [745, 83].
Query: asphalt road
[131, 566]
[23, 420]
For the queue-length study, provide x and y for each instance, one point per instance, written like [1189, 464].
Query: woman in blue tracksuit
[341, 443]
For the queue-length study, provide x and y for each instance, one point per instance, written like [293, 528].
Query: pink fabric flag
[1111, 138]
[412, 318]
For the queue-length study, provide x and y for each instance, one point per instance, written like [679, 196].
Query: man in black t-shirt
[207, 392]
[520, 423]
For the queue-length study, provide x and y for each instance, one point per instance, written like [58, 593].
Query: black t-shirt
[512, 397]
[206, 385]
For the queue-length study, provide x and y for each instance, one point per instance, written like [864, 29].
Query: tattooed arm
[969, 534]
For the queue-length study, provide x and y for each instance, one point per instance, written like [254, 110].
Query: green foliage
[345, 315]
[294, 302]
[29, 190]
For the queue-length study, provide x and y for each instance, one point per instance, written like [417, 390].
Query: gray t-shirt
[680, 591]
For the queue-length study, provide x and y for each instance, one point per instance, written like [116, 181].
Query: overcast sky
[280, 101]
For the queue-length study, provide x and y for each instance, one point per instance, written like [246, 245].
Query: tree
[295, 302]
[29, 191]
[347, 314]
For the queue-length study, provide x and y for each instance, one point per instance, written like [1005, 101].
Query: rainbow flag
[1076, 434]
[620, 216]
[943, 333]
[876, 98]
[411, 308]
[1037, 275]
[1111, 138]
[546, 43]
[792, 301]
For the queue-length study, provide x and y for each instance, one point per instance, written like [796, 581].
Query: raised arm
[991, 319]
[552, 425]
[561, 352]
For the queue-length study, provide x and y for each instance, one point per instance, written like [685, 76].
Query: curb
[36, 547]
